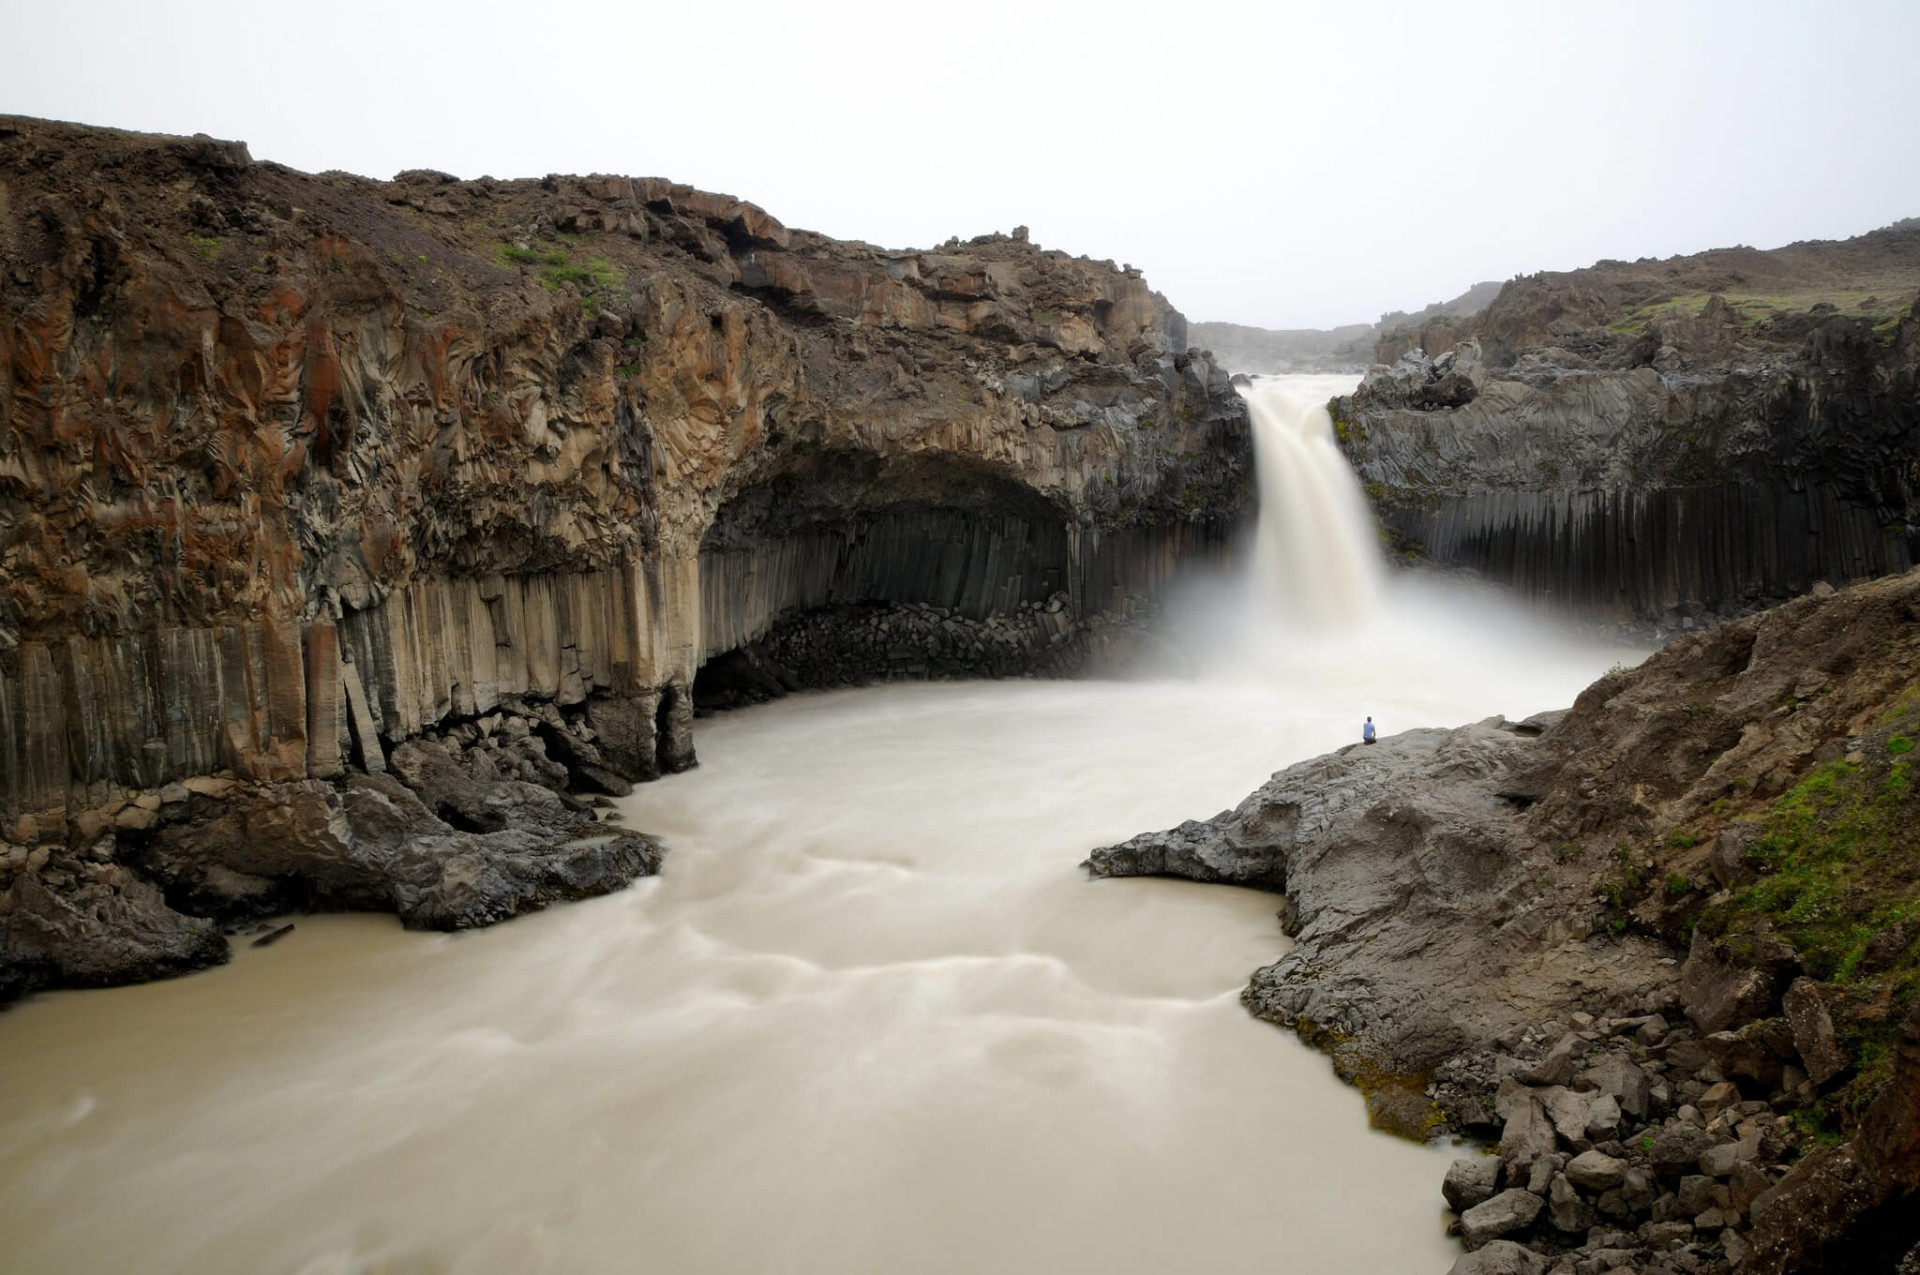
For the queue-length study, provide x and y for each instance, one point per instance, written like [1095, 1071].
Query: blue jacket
[1366, 732]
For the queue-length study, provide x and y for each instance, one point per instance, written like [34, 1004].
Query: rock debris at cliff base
[457, 829]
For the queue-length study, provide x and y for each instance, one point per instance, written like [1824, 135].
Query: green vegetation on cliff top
[1884, 306]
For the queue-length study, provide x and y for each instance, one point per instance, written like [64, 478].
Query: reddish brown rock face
[469, 440]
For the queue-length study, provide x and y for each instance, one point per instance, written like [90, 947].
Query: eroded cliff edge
[333, 509]
[1660, 443]
[1662, 948]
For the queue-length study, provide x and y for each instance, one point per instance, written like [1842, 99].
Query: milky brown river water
[871, 1017]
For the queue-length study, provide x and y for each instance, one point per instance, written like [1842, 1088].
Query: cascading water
[1316, 559]
[871, 1017]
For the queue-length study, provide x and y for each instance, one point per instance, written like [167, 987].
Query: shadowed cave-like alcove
[847, 570]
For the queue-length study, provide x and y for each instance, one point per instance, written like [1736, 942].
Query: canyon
[339, 514]
[364, 544]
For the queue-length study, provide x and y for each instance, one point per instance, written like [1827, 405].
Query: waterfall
[1316, 557]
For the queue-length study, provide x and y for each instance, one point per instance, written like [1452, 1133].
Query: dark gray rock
[1622, 1079]
[1813, 1035]
[1470, 1181]
[1595, 1171]
[1505, 1213]
[1678, 1148]
[1719, 994]
[95, 934]
[1566, 1210]
[1500, 1257]
[373, 844]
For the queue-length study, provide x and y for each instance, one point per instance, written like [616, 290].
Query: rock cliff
[1662, 948]
[296, 469]
[1660, 443]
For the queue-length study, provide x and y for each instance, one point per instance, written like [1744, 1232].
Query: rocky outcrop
[1625, 941]
[295, 469]
[1660, 443]
[1422, 917]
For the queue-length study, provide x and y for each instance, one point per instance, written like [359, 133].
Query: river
[871, 1017]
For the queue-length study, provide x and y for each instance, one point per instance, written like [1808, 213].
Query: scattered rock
[1500, 1257]
[1596, 1171]
[1505, 1213]
[1813, 1034]
[1470, 1181]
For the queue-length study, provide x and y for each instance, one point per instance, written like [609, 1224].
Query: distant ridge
[1348, 348]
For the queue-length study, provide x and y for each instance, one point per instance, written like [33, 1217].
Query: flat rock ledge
[1634, 1109]
[1422, 919]
[461, 828]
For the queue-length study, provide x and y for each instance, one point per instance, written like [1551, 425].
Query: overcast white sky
[1280, 164]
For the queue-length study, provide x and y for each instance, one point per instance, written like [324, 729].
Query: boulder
[1603, 1118]
[1505, 1213]
[1719, 994]
[1664, 1237]
[1718, 1098]
[96, 936]
[1813, 1035]
[1569, 1112]
[1722, 1160]
[1747, 1055]
[1500, 1257]
[1555, 1067]
[1566, 1210]
[1678, 1148]
[1529, 1134]
[1621, 1078]
[1596, 1171]
[1470, 1181]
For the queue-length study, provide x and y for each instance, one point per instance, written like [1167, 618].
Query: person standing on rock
[1366, 732]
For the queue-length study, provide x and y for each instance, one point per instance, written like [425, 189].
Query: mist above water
[871, 1017]
[1313, 605]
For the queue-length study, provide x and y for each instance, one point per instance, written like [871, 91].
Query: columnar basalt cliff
[1662, 948]
[297, 469]
[1660, 442]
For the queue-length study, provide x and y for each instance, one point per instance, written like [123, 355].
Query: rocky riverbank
[1659, 444]
[1659, 948]
[458, 829]
[301, 472]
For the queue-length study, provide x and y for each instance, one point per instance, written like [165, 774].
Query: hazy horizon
[1363, 163]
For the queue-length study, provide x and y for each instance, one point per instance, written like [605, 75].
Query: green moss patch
[1837, 867]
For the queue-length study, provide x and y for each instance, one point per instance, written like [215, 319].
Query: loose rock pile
[1623, 1144]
